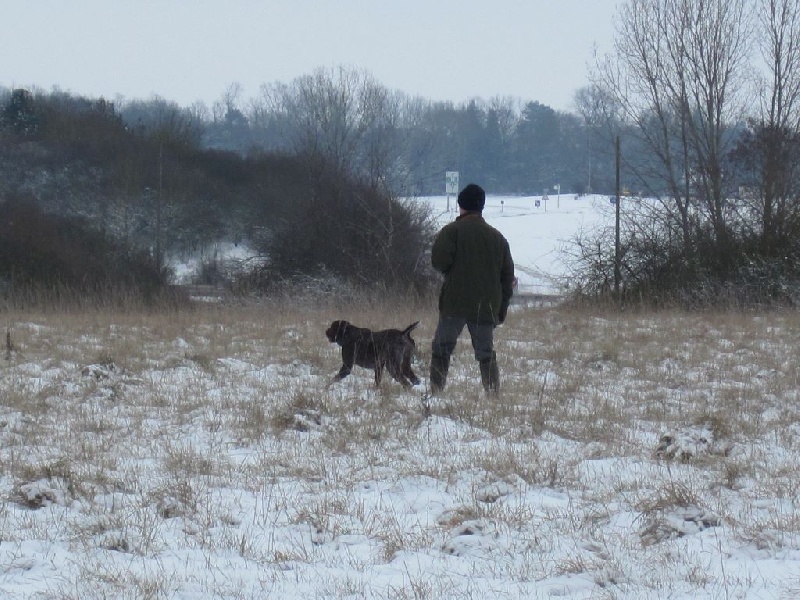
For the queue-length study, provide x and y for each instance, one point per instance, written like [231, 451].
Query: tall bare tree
[775, 132]
[676, 74]
[349, 130]
[342, 116]
[779, 42]
[601, 127]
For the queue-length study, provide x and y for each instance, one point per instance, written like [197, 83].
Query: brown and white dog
[389, 349]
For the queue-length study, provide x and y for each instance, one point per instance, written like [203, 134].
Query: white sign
[451, 182]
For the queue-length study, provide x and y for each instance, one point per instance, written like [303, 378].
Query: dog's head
[336, 331]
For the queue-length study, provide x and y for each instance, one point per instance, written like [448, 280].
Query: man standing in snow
[478, 283]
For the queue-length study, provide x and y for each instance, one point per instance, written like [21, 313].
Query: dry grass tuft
[301, 413]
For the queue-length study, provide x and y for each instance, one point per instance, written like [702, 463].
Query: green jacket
[478, 270]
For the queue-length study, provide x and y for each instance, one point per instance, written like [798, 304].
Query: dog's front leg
[343, 372]
[347, 366]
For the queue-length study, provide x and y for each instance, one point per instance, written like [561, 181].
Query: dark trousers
[448, 330]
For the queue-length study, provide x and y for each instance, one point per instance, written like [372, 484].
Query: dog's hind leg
[400, 378]
[397, 370]
[407, 372]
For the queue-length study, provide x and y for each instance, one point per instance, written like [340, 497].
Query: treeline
[126, 197]
[510, 146]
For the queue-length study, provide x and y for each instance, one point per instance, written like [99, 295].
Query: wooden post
[159, 203]
[617, 257]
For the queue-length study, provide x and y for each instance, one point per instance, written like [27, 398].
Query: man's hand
[501, 317]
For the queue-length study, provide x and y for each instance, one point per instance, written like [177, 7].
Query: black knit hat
[472, 197]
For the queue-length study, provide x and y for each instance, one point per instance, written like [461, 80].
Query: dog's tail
[410, 328]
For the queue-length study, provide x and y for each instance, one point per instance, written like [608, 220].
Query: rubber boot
[490, 375]
[439, 367]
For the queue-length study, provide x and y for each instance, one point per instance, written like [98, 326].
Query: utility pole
[159, 202]
[617, 257]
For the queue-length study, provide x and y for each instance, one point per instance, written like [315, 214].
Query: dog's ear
[332, 331]
[342, 328]
[337, 330]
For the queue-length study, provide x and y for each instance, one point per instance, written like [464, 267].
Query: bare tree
[340, 116]
[601, 125]
[678, 69]
[228, 103]
[775, 132]
[349, 129]
[198, 112]
[779, 42]
[164, 118]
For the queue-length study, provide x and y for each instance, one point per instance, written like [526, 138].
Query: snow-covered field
[203, 455]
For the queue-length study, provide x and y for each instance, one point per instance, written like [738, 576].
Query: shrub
[54, 252]
[347, 230]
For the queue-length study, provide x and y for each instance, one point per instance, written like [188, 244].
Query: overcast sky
[188, 50]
